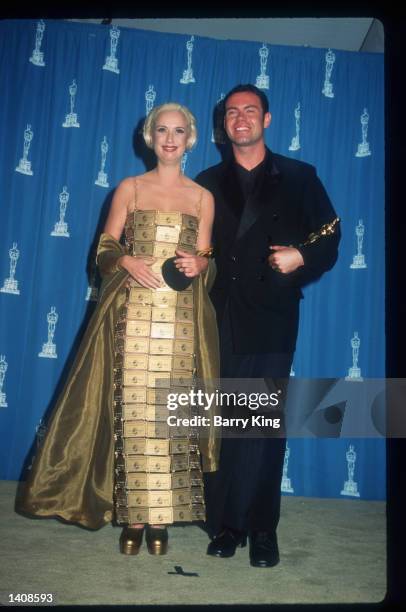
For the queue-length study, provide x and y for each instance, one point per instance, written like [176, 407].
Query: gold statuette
[326, 230]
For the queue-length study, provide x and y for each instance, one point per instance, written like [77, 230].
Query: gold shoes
[130, 540]
[157, 540]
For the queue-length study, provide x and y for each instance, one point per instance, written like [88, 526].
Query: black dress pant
[244, 494]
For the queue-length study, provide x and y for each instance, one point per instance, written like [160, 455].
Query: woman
[109, 453]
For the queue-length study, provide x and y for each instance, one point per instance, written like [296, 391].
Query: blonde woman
[110, 454]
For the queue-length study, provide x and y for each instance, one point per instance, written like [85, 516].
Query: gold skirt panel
[158, 475]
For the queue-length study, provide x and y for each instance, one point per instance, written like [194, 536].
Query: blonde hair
[150, 122]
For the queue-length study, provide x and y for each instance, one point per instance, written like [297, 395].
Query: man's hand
[285, 259]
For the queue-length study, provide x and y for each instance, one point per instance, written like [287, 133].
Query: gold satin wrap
[73, 473]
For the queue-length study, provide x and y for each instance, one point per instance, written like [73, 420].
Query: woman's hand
[190, 265]
[139, 269]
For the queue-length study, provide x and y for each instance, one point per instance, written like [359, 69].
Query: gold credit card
[161, 346]
[164, 299]
[162, 330]
[144, 217]
[144, 233]
[136, 362]
[157, 447]
[136, 345]
[168, 218]
[185, 299]
[160, 363]
[138, 328]
[135, 429]
[161, 380]
[164, 250]
[135, 412]
[138, 312]
[134, 446]
[183, 330]
[183, 362]
[135, 378]
[167, 234]
[183, 347]
[134, 395]
[144, 249]
[140, 296]
[165, 314]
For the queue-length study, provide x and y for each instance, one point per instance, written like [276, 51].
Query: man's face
[244, 120]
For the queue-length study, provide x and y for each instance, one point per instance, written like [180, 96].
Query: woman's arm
[206, 221]
[120, 205]
[193, 265]
[137, 267]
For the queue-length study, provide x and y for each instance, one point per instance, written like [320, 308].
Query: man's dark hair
[252, 89]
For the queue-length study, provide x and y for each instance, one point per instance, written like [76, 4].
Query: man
[265, 203]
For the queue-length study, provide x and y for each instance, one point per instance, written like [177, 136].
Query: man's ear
[267, 119]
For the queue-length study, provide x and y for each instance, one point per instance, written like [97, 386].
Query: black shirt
[250, 179]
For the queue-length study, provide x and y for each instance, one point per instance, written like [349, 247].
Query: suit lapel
[232, 194]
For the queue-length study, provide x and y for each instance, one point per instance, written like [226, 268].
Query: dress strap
[199, 204]
[135, 203]
[135, 194]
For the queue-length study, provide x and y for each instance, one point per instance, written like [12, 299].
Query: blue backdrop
[73, 99]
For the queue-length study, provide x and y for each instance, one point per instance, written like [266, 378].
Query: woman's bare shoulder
[126, 184]
[146, 178]
[197, 189]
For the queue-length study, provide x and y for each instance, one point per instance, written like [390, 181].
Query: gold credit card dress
[158, 475]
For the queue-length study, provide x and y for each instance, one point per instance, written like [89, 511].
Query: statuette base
[102, 180]
[354, 374]
[262, 81]
[295, 145]
[61, 230]
[328, 90]
[71, 120]
[10, 286]
[350, 488]
[358, 262]
[286, 486]
[111, 64]
[24, 167]
[187, 77]
[363, 150]
[48, 350]
[37, 58]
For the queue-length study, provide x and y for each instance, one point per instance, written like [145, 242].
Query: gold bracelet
[205, 252]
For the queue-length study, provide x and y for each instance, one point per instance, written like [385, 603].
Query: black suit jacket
[286, 206]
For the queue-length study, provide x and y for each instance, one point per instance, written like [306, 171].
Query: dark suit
[258, 313]
[284, 209]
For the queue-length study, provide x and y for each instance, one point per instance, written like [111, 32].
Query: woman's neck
[168, 175]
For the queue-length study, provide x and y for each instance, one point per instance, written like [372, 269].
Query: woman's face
[170, 136]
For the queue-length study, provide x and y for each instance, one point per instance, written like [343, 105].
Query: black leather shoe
[224, 544]
[264, 550]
